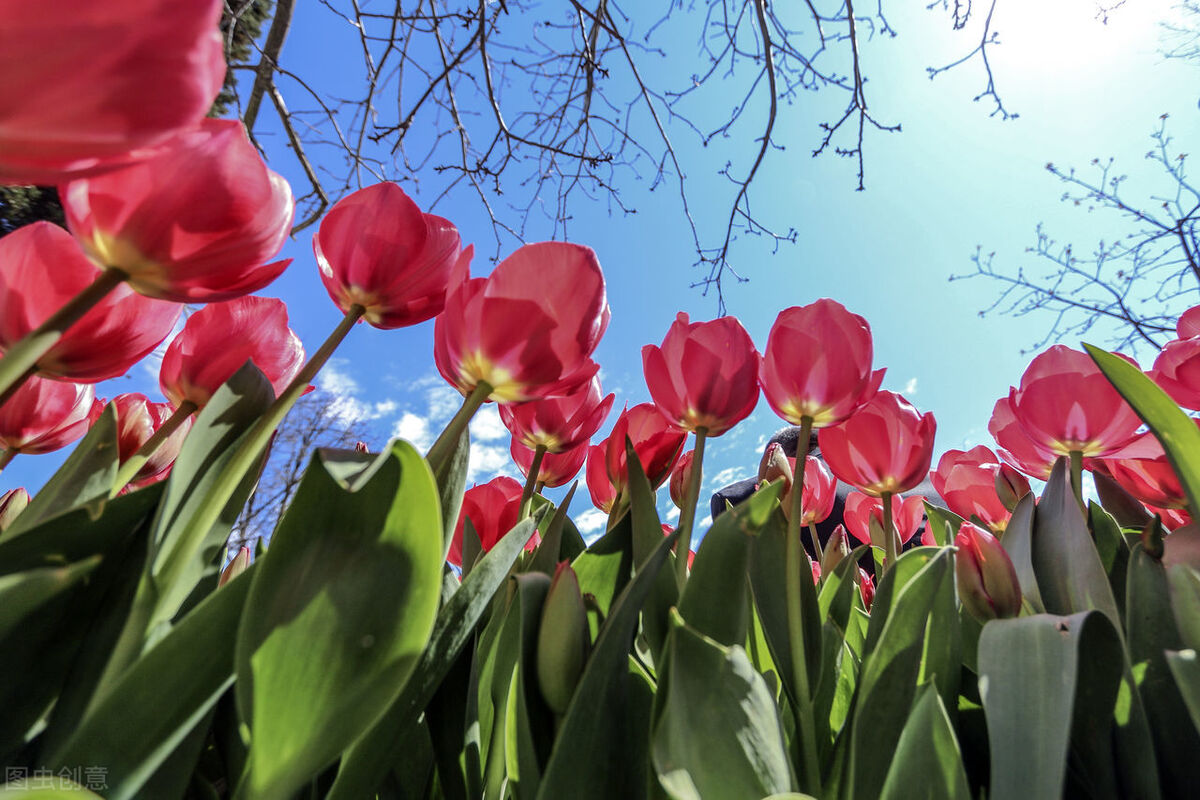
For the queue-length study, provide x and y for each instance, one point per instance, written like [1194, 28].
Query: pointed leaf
[927, 762]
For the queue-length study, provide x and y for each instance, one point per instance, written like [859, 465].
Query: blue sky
[953, 179]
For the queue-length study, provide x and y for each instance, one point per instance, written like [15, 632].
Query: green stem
[6, 457]
[531, 479]
[816, 542]
[21, 359]
[687, 516]
[130, 468]
[448, 440]
[615, 511]
[798, 568]
[889, 532]
[1077, 477]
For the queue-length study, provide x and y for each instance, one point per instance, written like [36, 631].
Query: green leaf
[451, 478]
[943, 522]
[927, 762]
[1184, 587]
[84, 480]
[341, 608]
[551, 528]
[1113, 550]
[604, 568]
[1017, 541]
[1069, 573]
[23, 592]
[1186, 669]
[1126, 509]
[646, 535]
[714, 688]
[366, 763]
[158, 702]
[1178, 433]
[592, 758]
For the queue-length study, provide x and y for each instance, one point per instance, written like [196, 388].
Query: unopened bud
[12, 503]
[987, 580]
[836, 550]
[236, 566]
[1011, 486]
[361, 447]
[681, 478]
[866, 588]
[563, 640]
[816, 573]
[775, 465]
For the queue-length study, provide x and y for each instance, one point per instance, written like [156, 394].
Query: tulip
[1011, 486]
[44, 415]
[1189, 323]
[836, 550]
[219, 338]
[1177, 371]
[563, 640]
[86, 83]
[600, 487]
[704, 375]
[818, 364]
[12, 503]
[555, 469]
[377, 250]
[968, 481]
[1014, 443]
[820, 491]
[137, 420]
[775, 465]
[864, 513]
[681, 478]
[41, 269]
[1172, 518]
[656, 442]
[866, 588]
[1141, 469]
[816, 572]
[195, 223]
[560, 423]
[236, 566]
[885, 448]
[493, 509]
[987, 581]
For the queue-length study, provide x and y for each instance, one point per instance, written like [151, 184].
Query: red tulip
[493, 508]
[137, 420]
[556, 468]
[816, 572]
[967, 482]
[1189, 323]
[85, 83]
[41, 268]
[885, 447]
[236, 566]
[866, 588]
[12, 503]
[681, 478]
[657, 443]
[527, 330]
[1066, 404]
[667, 531]
[1177, 371]
[558, 423]
[1014, 443]
[219, 338]
[819, 493]
[603, 493]
[987, 581]
[818, 364]
[195, 223]
[861, 509]
[704, 375]
[1141, 468]
[1172, 518]
[376, 249]
[44, 415]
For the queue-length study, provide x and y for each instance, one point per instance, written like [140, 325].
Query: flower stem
[131, 467]
[531, 479]
[687, 516]
[6, 457]
[889, 532]
[816, 542]
[448, 439]
[1077, 477]
[21, 359]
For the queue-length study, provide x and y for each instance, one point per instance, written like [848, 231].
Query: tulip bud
[1011, 486]
[987, 581]
[775, 465]
[236, 566]
[563, 640]
[836, 550]
[361, 447]
[866, 588]
[12, 503]
[681, 478]
[816, 573]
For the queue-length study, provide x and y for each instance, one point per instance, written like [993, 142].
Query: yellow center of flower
[475, 367]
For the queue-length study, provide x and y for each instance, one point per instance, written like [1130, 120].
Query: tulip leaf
[555, 535]
[1126, 509]
[340, 610]
[1017, 541]
[450, 474]
[645, 537]
[592, 757]
[23, 592]
[714, 688]
[1070, 576]
[927, 761]
[1186, 669]
[84, 480]
[943, 522]
[604, 568]
[1184, 584]
[367, 762]
[157, 703]
[1151, 630]
[1176, 431]
[1112, 548]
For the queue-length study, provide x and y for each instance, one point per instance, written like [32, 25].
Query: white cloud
[672, 514]
[344, 390]
[444, 401]
[910, 388]
[486, 425]
[414, 429]
[487, 461]
[726, 477]
[591, 524]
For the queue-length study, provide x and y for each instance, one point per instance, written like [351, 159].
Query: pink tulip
[861, 509]
[12, 503]
[219, 338]
[885, 447]
[658, 445]
[987, 580]
[1014, 443]
[1172, 518]
[44, 415]
[1177, 371]
[1065, 404]
[195, 223]
[704, 376]
[85, 83]
[137, 420]
[603, 493]
[1189, 323]
[556, 468]
[527, 330]
[967, 482]
[1141, 468]
[558, 423]
[493, 508]
[818, 364]
[820, 487]
[866, 588]
[816, 572]
[41, 268]
[681, 478]
[376, 249]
